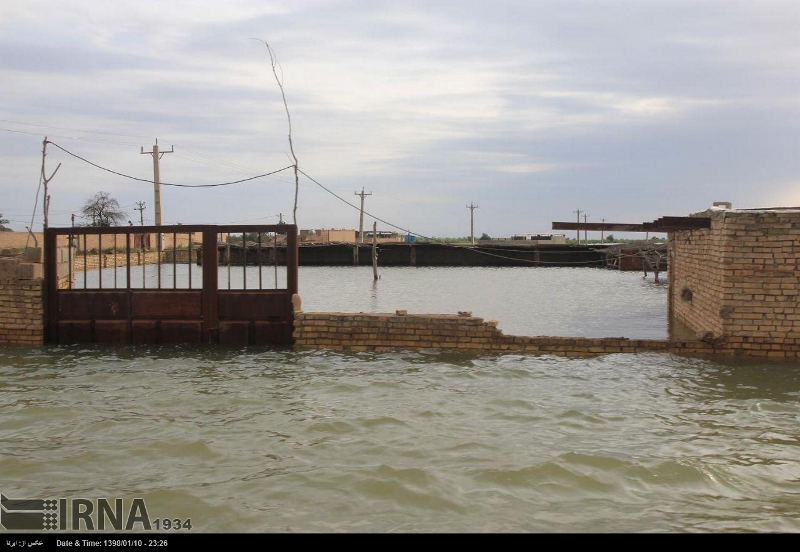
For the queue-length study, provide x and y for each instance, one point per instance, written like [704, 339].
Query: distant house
[327, 236]
[383, 237]
[540, 238]
[313, 236]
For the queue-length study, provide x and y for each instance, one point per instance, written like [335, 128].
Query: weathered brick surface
[739, 281]
[21, 312]
[22, 299]
[385, 332]
[19, 240]
[92, 261]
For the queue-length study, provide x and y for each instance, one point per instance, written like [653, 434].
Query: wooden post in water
[375, 250]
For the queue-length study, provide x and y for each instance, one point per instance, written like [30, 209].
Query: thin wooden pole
[46, 180]
[375, 250]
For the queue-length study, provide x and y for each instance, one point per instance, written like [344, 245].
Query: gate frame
[210, 292]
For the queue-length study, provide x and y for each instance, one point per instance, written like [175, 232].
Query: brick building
[737, 282]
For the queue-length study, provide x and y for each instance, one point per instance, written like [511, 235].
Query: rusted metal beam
[663, 224]
[619, 227]
[679, 223]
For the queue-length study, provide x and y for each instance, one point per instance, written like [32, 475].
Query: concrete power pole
[585, 236]
[578, 229]
[471, 208]
[157, 183]
[361, 218]
[140, 207]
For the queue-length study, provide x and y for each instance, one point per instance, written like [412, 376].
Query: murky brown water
[255, 440]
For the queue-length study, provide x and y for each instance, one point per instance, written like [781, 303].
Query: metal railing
[120, 257]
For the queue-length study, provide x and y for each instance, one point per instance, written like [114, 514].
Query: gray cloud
[626, 110]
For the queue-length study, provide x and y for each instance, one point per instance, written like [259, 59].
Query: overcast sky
[531, 110]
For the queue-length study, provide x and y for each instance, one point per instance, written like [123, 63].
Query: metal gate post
[210, 305]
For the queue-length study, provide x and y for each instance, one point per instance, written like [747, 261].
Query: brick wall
[18, 240]
[696, 278]
[21, 312]
[738, 282]
[399, 331]
[169, 241]
[109, 260]
[22, 294]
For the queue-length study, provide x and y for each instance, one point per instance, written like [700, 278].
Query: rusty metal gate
[104, 286]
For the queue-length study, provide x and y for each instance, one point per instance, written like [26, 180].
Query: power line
[476, 249]
[167, 183]
[116, 143]
[72, 129]
[405, 230]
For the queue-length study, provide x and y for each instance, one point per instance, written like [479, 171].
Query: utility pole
[578, 229]
[471, 208]
[601, 230]
[140, 207]
[361, 218]
[585, 237]
[157, 183]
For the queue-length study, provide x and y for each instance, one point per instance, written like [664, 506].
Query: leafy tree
[610, 238]
[103, 210]
[3, 222]
[485, 237]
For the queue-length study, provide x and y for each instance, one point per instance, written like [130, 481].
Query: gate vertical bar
[191, 235]
[291, 259]
[174, 260]
[84, 261]
[51, 285]
[210, 327]
[128, 283]
[260, 261]
[100, 261]
[128, 261]
[115, 261]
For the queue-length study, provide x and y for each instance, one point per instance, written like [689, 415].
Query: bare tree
[103, 210]
[273, 60]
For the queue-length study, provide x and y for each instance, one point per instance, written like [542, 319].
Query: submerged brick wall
[738, 282]
[385, 332]
[22, 294]
[696, 277]
[21, 312]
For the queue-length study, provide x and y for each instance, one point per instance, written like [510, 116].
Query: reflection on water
[572, 302]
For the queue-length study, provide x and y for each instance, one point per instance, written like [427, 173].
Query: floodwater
[271, 441]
